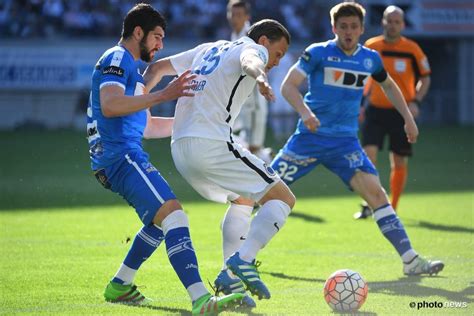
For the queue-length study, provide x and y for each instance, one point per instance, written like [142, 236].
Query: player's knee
[243, 201]
[280, 192]
[166, 209]
[290, 199]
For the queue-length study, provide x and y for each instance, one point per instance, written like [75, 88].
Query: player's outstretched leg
[226, 284]
[247, 272]
[420, 266]
[392, 228]
[213, 305]
[121, 288]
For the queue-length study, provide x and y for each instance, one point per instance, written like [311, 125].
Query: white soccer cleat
[420, 266]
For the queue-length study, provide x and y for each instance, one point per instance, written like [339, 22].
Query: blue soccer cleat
[247, 272]
[227, 285]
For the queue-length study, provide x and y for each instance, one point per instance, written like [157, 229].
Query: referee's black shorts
[380, 122]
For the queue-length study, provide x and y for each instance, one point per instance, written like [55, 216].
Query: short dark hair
[272, 29]
[144, 16]
[239, 4]
[347, 9]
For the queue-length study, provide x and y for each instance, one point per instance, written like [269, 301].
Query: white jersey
[220, 88]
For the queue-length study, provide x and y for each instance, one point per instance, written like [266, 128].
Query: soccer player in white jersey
[208, 158]
[251, 124]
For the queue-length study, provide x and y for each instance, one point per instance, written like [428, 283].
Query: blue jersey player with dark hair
[337, 71]
[118, 119]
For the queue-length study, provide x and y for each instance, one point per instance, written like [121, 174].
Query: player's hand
[179, 87]
[414, 109]
[264, 87]
[412, 131]
[310, 121]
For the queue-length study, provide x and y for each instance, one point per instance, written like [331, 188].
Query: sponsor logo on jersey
[113, 70]
[298, 160]
[335, 59]
[368, 63]
[269, 170]
[306, 56]
[345, 78]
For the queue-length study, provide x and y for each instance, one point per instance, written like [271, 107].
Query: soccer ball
[345, 291]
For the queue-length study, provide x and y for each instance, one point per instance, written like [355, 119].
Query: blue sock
[181, 253]
[145, 243]
[392, 228]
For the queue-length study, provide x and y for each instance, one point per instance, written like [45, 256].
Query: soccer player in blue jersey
[118, 119]
[326, 134]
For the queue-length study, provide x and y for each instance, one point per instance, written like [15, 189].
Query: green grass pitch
[62, 236]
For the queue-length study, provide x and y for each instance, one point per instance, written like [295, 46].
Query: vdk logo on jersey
[345, 78]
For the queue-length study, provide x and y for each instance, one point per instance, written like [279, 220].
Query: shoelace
[214, 288]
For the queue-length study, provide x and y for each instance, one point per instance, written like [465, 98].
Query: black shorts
[380, 122]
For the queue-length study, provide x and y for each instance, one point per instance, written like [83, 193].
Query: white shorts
[222, 171]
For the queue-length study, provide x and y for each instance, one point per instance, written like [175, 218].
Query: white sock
[126, 274]
[196, 290]
[408, 256]
[174, 220]
[235, 227]
[269, 220]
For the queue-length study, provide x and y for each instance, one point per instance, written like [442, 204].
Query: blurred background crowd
[186, 18]
[48, 50]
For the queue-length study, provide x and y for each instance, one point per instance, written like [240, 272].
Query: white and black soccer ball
[345, 291]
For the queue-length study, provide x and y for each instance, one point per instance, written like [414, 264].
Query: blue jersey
[110, 138]
[335, 85]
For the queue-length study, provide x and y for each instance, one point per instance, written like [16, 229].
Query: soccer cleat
[247, 272]
[420, 266]
[227, 285]
[125, 294]
[213, 305]
[364, 212]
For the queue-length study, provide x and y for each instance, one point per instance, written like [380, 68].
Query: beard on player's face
[145, 53]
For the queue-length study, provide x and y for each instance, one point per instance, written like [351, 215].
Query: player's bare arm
[115, 103]
[156, 71]
[395, 96]
[290, 91]
[421, 90]
[253, 66]
[158, 127]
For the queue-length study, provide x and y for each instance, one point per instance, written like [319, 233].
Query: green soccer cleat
[125, 294]
[420, 266]
[213, 305]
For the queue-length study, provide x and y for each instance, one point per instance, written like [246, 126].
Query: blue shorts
[343, 156]
[135, 179]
